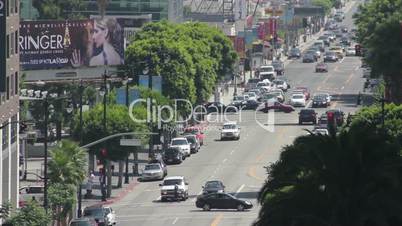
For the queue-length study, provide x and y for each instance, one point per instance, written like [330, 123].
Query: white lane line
[175, 220]
[343, 87]
[356, 68]
[159, 198]
[342, 60]
[308, 104]
[231, 153]
[239, 190]
[224, 160]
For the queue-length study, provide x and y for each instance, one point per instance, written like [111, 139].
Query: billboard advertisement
[73, 43]
[3, 57]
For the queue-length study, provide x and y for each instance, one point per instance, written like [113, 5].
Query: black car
[252, 104]
[307, 115]
[279, 67]
[173, 155]
[214, 186]
[309, 58]
[98, 213]
[215, 107]
[325, 39]
[330, 57]
[221, 201]
[319, 101]
[294, 53]
[345, 41]
[338, 116]
[194, 144]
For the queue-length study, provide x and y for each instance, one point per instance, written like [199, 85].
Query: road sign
[130, 142]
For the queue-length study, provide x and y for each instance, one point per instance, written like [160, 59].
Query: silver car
[153, 171]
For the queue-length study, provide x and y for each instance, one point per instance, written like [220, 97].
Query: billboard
[3, 57]
[156, 82]
[71, 43]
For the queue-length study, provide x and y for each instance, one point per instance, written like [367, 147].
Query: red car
[277, 106]
[197, 132]
[306, 92]
[321, 67]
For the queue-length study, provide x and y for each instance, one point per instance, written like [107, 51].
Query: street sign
[130, 142]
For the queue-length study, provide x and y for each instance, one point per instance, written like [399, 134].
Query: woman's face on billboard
[99, 35]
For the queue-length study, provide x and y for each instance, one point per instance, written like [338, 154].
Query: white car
[168, 188]
[321, 131]
[110, 215]
[298, 100]
[230, 130]
[182, 144]
[251, 96]
[280, 96]
[267, 72]
[350, 51]
[327, 96]
[281, 84]
[153, 171]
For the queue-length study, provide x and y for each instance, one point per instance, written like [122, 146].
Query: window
[16, 7]
[12, 85]
[12, 6]
[16, 47]
[8, 7]
[16, 83]
[8, 46]
[8, 88]
[5, 137]
[14, 129]
[12, 43]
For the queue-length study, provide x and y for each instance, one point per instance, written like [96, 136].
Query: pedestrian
[176, 192]
[89, 185]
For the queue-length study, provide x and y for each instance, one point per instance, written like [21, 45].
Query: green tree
[5, 210]
[354, 179]
[59, 9]
[31, 214]
[62, 198]
[326, 4]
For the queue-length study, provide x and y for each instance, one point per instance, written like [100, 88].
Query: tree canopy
[353, 178]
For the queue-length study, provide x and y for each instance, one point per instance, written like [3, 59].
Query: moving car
[322, 121]
[330, 57]
[345, 41]
[182, 144]
[83, 222]
[197, 131]
[278, 94]
[230, 130]
[251, 83]
[350, 51]
[325, 39]
[277, 106]
[238, 101]
[298, 100]
[338, 115]
[266, 72]
[338, 51]
[153, 171]
[215, 107]
[305, 91]
[173, 155]
[294, 53]
[279, 67]
[307, 115]
[321, 67]
[252, 104]
[168, 188]
[319, 101]
[321, 131]
[214, 186]
[221, 201]
[102, 215]
[281, 84]
[308, 58]
[194, 144]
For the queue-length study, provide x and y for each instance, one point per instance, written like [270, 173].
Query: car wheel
[240, 207]
[163, 199]
[206, 207]
[184, 157]
[300, 122]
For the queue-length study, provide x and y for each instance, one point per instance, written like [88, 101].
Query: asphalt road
[240, 164]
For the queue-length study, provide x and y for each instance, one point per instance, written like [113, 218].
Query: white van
[320, 44]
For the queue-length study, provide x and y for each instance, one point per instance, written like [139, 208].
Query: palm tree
[351, 179]
[67, 164]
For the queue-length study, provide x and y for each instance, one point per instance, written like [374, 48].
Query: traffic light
[103, 152]
[330, 117]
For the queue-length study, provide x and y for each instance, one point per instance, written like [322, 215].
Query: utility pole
[79, 211]
[45, 201]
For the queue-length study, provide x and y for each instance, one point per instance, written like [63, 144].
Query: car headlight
[164, 192]
[247, 202]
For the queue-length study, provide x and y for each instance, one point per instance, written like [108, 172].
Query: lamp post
[79, 210]
[103, 92]
[126, 83]
[150, 143]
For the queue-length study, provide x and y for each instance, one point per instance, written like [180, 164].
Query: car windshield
[251, 94]
[278, 82]
[93, 212]
[191, 139]
[266, 69]
[298, 97]
[277, 64]
[294, 50]
[253, 80]
[306, 112]
[262, 84]
[171, 151]
[80, 223]
[179, 142]
[152, 167]
[238, 98]
[171, 182]
[318, 98]
[229, 126]
[330, 54]
[212, 184]
[192, 131]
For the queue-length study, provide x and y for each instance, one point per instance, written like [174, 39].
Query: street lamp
[126, 83]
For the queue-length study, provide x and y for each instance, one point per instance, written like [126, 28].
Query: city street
[240, 164]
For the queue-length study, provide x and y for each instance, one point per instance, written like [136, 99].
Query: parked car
[197, 131]
[221, 201]
[182, 144]
[307, 115]
[168, 188]
[194, 144]
[153, 171]
[321, 67]
[83, 222]
[159, 161]
[102, 215]
[214, 186]
[230, 130]
[276, 106]
[173, 155]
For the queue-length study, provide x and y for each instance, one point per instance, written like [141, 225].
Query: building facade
[9, 102]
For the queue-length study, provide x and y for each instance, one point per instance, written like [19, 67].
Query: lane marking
[239, 190]
[343, 87]
[308, 104]
[175, 220]
[349, 78]
[343, 58]
[217, 220]
[224, 160]
[356, 68]
[231, 153]
[252, 173]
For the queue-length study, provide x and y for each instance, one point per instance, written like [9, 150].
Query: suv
[173, 155]
[182, 144]
[168, 188]
[194, 144]
[102, 215]
[230, 130]
[307, 115]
